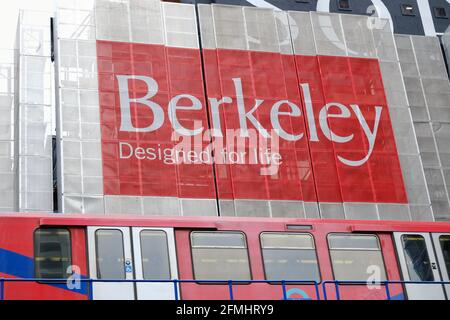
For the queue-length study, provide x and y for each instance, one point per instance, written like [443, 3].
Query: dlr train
[137, 257]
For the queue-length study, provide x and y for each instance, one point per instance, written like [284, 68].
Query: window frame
[442, 252]
[426, 247]
[63, 280]
[167, 247]
[211, 282]
[356, 249]
[97, 269]
[435, 9]
[293, 233]
[405, 13]
[338, 5]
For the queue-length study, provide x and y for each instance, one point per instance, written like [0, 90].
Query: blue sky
[9, 11]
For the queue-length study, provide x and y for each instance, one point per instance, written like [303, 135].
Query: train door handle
[433, 266]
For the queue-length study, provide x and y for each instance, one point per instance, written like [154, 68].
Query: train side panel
[17, 261]
[294, 291]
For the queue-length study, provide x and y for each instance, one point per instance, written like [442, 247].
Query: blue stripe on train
[21, 266]
[399, 296]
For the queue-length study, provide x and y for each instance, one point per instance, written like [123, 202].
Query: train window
[445, 247]
[356, 257]
[343, 5]
[155, 255]
[289, 256]
[109, 254]
[220, 255]
[417, 259]
[407, 9]
[440, 12]
[52, 253]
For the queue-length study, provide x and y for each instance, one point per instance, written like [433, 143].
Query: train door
[123, 253]
[441, 243]
[110, 257]
[155, 259]
[418, 263]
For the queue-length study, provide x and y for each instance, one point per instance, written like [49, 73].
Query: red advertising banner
[245, 125]
[136, 84]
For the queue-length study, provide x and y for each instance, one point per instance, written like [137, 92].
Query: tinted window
[440, 12]
[445, 247]
[110, 254]
[355, 257]
[155, 255]
[417, 259]
[343, 4]
[52, 254]
[220, 256]
[407, 10]
[289, 256]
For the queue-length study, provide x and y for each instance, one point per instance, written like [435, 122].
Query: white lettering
[247, 115]
[173, 107]
[130, 150]
[217, 128]
[274, 118]
[126, 150]
[125, 100]
[323, 121]
[370, 135]
[309, 112]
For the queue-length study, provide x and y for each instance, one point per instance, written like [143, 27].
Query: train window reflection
[417, 259]
[356, 257]
[445, 247]
[219, 255]
[289, 256]
[110, 255]
[155, 255]
[52, 253]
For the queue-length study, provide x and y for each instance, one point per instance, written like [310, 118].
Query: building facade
[166, 108]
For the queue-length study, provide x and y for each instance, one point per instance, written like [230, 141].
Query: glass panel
[445, 246]
[286, 240]
[220, 256]
[344, 4]
[218, 239]
[221, 264]
[356, 265]
[356, 257]
[417, 259]
[110, 254]
[52, 253]
[348, 241]
[289, 257]
[155, 255]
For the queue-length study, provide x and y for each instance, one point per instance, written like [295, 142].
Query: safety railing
[175, 282]
[386, 284]
[230, 283]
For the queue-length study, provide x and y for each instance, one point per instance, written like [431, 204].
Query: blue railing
[385, 283]
[230, 283]
[175, 283]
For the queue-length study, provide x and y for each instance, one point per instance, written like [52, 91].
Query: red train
[120, 253]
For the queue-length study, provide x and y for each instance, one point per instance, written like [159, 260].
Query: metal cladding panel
[263, 113]
[130, 38]
[328, 34]
[301, 33]
[429, 17]
[445, 40]
[317, 180]
[33, 114]
[427, 87]
[7, 165]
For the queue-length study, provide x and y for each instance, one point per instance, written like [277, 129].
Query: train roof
[289, 224]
